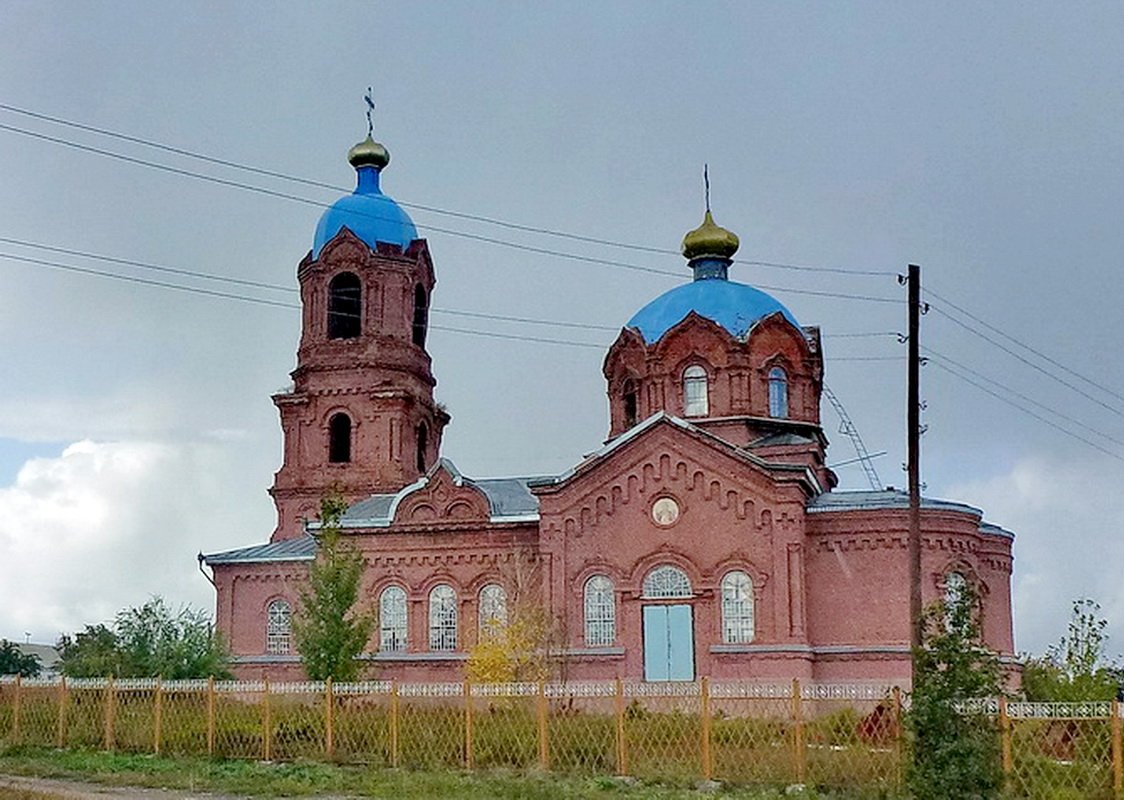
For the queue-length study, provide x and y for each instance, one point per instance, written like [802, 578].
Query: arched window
[628, 390]
[279, 628]
[423, 443]
[778, 393]
[421, 315]
[392, 620]
[339, 438]
[443, 618]
[493, 609]
[737, 608]
[695, 400]
[667, 581]
[600, 612]
[344, 306]
[955, 592]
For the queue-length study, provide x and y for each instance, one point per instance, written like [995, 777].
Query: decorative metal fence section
[847, 736]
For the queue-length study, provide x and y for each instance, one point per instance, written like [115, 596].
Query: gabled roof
[509, 499]
[303, 548]
[662, 417]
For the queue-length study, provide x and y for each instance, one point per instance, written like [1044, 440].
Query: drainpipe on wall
[201, 559]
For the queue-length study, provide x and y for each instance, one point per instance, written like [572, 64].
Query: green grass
[305, 779]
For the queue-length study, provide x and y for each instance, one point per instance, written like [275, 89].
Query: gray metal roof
[509, 499]
[780, 439]
[303, 548]
[651, 422]
[888, 498]
[892, 498]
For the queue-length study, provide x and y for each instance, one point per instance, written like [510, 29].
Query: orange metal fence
[829, 736]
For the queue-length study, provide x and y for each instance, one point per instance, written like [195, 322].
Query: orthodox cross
[706, 184]
[370, 107]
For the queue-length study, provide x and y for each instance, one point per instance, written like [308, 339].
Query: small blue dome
[734, 306]
[368, 213]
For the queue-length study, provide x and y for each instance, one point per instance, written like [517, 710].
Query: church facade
[704, 538]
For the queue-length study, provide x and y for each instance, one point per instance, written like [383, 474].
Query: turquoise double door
[669, 643]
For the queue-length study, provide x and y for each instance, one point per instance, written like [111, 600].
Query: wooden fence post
[394, 723]
[544, 742]
[60, 733]
[16, 710]
[1005, 738]
[1117, 755]
[899, 739]
[467, 725]
[158, 716]
[799, 753]
[622, 745]
[704, 710]
[266, 724]
[211, 716]
[329, 738]
[110, 712]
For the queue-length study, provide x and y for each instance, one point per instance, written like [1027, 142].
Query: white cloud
[105, 525]
[1066, 516]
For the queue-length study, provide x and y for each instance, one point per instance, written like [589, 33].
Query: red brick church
[704, 538]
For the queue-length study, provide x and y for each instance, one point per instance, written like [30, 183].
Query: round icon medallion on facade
[665, 511]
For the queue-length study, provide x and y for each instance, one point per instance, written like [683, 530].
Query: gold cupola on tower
[710, 239]
[368, 153]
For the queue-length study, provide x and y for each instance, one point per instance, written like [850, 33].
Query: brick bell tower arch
[360, 414]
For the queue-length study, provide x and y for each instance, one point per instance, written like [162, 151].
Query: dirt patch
[14, 787]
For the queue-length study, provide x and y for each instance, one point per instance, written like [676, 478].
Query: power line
[149, 282]
[147, 265]
[987, 379]
[1026, 410]
[427, 208]
[277, 287]
[1027, 347]
[1027, 361]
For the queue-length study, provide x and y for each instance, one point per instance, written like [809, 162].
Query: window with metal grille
[443, 618]
[344, 306]
[600, 612]
[778, 393]
[667, 581]
[696, 403]
[392, 620]
[955, 590]
[493, 610]
[278, 628]
[737, 608]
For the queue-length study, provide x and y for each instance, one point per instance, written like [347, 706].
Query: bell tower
[360, 415]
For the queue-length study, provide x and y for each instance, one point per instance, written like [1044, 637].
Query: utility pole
[913, 424]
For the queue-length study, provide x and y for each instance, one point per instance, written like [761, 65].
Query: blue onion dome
[735, 306]
[367, 212]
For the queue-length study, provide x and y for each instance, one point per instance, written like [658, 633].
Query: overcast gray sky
[982, 141]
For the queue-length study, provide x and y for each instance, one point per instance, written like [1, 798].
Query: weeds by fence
[829, 736]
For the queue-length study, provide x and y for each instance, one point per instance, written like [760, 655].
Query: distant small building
[703, 538]
[47, 654]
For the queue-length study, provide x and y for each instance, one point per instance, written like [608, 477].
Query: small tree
[329, 631]
[1075, 669]
[155, 641]
[147, 641]
[517, 648]
[92, 653]
[955, 745]
[14, 661]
